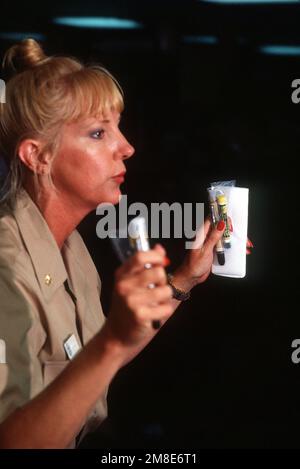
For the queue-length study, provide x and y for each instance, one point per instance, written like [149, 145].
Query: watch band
[178, 294]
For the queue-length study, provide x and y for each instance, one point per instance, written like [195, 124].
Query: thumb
[215, 235]
[160, 248]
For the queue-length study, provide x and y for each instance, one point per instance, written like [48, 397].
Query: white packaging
[237, 210]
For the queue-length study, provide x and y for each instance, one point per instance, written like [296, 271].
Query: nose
[125, 149]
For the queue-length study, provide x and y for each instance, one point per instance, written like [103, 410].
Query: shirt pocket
[52, 370]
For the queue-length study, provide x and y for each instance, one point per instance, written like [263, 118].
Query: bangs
[91, 92]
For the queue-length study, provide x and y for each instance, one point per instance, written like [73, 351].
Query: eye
[98, 134]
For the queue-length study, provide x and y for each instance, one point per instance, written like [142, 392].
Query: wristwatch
[178, 294]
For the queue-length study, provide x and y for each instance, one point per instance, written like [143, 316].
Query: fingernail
[166, 261]
[250, 244]
[221, 225]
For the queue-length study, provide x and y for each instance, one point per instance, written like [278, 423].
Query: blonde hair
[42, 94]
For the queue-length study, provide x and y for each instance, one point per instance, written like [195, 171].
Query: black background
[220, 374]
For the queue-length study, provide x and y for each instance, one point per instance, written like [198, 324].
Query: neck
[61, 216]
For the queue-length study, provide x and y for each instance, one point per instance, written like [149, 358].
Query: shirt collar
[43, 250]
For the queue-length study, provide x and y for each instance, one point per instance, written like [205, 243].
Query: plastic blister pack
[230, 204]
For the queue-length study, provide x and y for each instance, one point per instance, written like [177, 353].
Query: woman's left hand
[197, 264]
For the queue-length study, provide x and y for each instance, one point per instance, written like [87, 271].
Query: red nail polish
[166, 261]
[221, 225]
[250, 244]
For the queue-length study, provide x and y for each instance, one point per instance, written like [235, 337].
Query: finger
[202, 233]
[160, 312]
[248, 251]
[207, 226]
[249, 243]
[215, 235]
[149, 298]
[156, 276]
[230, 224]
[158, 295]
[159, 248]
[138, 261]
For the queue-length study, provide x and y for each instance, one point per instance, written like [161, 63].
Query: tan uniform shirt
[37, 313]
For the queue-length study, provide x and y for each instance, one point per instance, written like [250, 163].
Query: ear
[31, 154]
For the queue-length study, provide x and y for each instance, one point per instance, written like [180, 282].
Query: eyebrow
[94, 124]
[102, 121]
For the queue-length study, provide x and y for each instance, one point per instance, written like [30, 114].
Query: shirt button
[48, 279]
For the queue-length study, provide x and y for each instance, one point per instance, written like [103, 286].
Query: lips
[119, 178]
[122, 174]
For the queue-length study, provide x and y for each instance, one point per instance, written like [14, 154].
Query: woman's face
[89, 166]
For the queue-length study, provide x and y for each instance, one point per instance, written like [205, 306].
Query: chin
[113, 199]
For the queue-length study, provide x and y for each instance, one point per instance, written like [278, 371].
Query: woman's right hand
[135, 305]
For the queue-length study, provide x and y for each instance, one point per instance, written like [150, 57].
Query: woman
[60, 137]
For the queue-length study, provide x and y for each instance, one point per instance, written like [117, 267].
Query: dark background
[220, 374]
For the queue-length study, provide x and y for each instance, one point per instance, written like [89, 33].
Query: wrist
[111, 346]
[121, 351]
[182, 281]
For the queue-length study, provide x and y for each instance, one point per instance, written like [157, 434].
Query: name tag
[2, 351]
[71, 346]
